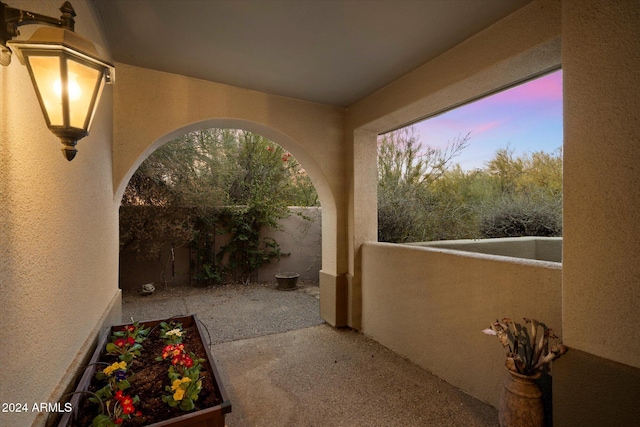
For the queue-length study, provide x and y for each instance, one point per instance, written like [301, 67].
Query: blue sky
[527, 117]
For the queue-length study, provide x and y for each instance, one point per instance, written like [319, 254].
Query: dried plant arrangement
[529, 348]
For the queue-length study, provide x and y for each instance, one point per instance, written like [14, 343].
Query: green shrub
[516, 217]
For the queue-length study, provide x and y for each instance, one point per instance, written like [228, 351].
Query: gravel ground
[231, 312]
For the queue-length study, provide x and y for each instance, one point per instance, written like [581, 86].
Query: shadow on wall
[299, 237]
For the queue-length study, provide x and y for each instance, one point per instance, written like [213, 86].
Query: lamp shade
[68, 78]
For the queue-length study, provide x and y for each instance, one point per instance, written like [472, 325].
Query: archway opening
[218, 206]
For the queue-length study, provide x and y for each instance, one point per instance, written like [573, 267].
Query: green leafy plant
[177, 195]
[521, 216]
[179, 357]
[184, 389]
[529, 348]
[247, 249]
[119, 409]
[184, 376]
[135, 330]
[126, 343]
[115, 376]
[171, 332]
[424, 196]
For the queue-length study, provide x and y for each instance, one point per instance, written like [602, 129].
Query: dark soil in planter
[149, 378]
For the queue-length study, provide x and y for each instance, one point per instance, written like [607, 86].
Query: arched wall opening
[181, 246]
[152, 107]
[320, 183]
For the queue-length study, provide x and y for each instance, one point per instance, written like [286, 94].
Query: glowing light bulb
[74, 88]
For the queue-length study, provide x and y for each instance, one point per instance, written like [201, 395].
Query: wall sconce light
[66, 72]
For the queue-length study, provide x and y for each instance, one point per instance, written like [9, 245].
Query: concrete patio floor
[282, 365]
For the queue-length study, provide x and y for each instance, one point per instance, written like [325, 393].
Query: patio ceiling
[333, 52]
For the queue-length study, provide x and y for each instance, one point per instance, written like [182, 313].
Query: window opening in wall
[490, 168]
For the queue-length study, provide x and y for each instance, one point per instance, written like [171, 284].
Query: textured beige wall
[152, 107]
[601, 294]
[362, 183]
[430, 305]
[302, 240]
[540, 248]
[299, 237]
[58, 237]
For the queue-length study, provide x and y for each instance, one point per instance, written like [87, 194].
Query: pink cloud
[544, 88]
[501, 117]
[541, 90]
[547, 88]
[484, 127]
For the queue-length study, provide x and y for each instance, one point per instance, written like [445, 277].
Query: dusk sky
[528, 118]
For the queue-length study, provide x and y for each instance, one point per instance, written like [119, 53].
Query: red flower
[166, 350]
[173, 350]
[182, 359]
[118, 421]
[130, 328]
[188, 362]
[125, 401]
[130, 341]
[120, 342]
[178, 349]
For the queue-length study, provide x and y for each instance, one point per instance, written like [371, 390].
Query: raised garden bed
[149, 380]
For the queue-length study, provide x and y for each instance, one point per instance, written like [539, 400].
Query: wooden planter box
[209, 417]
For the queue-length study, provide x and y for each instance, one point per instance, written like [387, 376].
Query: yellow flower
[176, 383]
[114, 367]
[179, 394]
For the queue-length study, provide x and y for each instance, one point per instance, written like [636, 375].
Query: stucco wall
[430, 305]
[598, 383]
[153, 107]
[540, 248]
[58, 237]
[601, 59]
[299, 238]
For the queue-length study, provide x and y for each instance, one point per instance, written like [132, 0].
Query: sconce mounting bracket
[12, 18]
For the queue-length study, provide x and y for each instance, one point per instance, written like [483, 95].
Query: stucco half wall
[430, 305]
